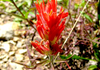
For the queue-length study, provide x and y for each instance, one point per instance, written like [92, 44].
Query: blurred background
[17, 18]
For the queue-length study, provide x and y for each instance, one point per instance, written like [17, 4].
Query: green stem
[51, 62]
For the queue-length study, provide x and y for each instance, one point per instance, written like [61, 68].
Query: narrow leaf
[78, 57]
[92, 67]
[65, 57]
[88, 17]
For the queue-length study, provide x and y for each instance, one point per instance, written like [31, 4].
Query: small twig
[22, 13]
[17, 8]
[33, 36]
[72, 28]
[68, 65]
[34, 67]
[51, 62]
[29, 55]
[20, 63]
[74, 24]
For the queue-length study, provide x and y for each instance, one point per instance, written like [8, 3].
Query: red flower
[50, 25]
[43, 49]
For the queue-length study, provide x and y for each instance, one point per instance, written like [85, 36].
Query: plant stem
[72, 28]
[22, 13]
[51, 62]
[74, 25]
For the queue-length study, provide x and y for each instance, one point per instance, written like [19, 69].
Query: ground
[16, 34]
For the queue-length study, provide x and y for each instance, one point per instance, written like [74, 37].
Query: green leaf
[7, 0]
[96, 53]
[99, 16]
[78, 57]
[83, 3]
[20, 4]
[17, 19]
[10, 0]
[18, 16]
[59, 0]
[28, 2]
[73, 57]
[99, 10]
[87, 17]
[2, 5]
[67, 2]
[65, 57]
[76, 6]
[92, 67]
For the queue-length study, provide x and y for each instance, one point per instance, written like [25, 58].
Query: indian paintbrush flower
[49, 26]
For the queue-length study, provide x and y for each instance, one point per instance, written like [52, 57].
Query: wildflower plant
[49, 26]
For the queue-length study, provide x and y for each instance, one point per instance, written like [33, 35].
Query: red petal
[35, 45]
[40, 48]
[65, 15]
[54, 5]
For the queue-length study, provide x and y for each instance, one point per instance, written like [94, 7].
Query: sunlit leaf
[6, 0]
[66, 57]
[2, 5]
[76, 6]
[59, 0]
[28, 2]
[88, 17]
[83, 3]
[20, 4]
[92, 67]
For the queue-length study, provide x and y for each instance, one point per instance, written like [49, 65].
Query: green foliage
[59, 0]
[78, 57]
[28, 2]
[99, 16]
[2, 5]
[99, 10]
[6, 0]
[92, 67]
[80, 5]
[83, 3]
[65, 57]
[76, 6]
[23, 5]
[96, 51]
[10, 0]
[66, 3]
[74, 57]
[87, 17]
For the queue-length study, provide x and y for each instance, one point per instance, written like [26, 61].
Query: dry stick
[72, 29]
[74, 25]
[22, 13]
